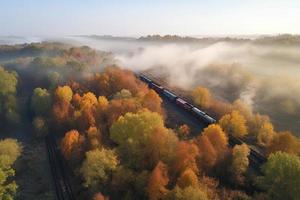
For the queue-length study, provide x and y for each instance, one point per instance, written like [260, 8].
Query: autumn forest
[118, 141]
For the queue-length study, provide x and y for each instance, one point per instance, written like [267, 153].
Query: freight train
[255, 155]
[178, 100]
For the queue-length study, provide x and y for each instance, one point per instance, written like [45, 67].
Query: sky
[143, 17]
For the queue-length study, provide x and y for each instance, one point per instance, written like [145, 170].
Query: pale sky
[143, 17]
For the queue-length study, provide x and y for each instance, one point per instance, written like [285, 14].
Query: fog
[267, 76]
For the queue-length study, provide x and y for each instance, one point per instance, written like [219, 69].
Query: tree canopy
[8, 82]
[234, 124]
[158, 181]
[41, 102]
[240, 162]
[143, 140]
[10, 150]
[281, 177]
[98, 165]
[202, 97]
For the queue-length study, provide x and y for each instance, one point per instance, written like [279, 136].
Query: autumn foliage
[187, 178]
[113, 80]
[120, 145]
[202, 97]
[285, 142]
[72, 145]
[185, 157]
[158, 181]
[234, 124]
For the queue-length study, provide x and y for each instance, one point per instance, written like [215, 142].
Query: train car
[171, 96]
[199, 113]
[203, 116]
[156, 87]
[185, 105]
[209, 119]
[145, 79]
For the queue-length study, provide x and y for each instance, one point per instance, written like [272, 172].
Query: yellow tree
[85, 113]
[202, 97]
[234, 124]
[217, 137]
[132, 132]
[102, 102]
[88, 100]
[98, 166]
[285, 142]
[64, 93]
[187, 178]
[62, 109]
[240, 162]
[266, 134]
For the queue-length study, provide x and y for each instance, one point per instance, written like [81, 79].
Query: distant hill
[107, 37]
[175, 38]
[281, 39]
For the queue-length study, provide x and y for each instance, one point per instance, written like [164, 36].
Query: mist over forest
[264, 72]
[119, 134]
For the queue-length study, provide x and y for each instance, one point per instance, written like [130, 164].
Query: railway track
[256, 158]
[60, 176]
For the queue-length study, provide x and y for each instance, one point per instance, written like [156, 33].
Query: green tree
[281, 177]
[10, 150]
[98, 166]
[41, 102]
[8, 82]
[8, 101]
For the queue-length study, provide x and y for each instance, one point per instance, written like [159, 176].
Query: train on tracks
[256, 158]
[178, 100]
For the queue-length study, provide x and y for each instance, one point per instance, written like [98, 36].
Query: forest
[112, 132]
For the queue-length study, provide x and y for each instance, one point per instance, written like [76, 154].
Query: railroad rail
[60, 176]
[256, 158]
